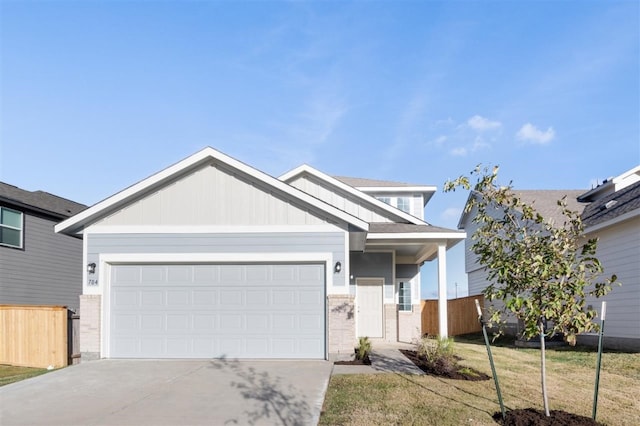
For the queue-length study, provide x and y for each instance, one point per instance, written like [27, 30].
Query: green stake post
[493, 368]
[595, 392]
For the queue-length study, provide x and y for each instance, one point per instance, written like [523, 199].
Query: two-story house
[38, 266]
[610, 212]
[211, 257]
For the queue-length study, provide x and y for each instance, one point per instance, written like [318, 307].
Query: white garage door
[221, 310]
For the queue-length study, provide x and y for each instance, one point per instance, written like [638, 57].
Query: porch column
[442, 291]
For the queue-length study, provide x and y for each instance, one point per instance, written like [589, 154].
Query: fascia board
[351, 190]
[120, 198]
[417, 236]
[421, 189]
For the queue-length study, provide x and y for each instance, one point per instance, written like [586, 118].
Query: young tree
[540, 271]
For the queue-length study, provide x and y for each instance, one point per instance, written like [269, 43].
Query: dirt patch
[442, 368]
[356, 361]
[531, 417]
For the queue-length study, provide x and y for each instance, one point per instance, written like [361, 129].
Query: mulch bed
[451, 370]
[531, 417]
[365, 361]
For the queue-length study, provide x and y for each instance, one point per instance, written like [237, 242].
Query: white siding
[619, 253]
[212, 195]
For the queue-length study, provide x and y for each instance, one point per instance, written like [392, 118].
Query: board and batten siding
[340, 199]
[619, 253]
[47, 271]
[213, 195]
[257, 242]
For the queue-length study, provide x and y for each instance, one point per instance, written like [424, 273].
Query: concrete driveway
[175, 392]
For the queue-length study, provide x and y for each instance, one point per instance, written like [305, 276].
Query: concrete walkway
[385, 358]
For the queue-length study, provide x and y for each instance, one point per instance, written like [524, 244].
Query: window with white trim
[404, 204]
[386, 200]
[404, 296]
[11, 226]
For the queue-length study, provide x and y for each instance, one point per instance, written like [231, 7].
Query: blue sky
[97, 95]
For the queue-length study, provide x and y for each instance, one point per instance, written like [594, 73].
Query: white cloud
[481, 124]
[439, 140]
[459, 152]
[530, 133]
[479, 144]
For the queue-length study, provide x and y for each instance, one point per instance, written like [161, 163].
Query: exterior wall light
[338, 267]
[91, 268]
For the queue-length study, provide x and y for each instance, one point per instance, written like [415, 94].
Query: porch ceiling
[411, 243]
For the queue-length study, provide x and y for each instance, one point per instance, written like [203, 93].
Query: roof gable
[384, 186]
[335, 188]
[132, 196]
[40, 201]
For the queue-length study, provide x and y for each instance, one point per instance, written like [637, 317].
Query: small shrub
[467, 371]
[435, 350]
[364, 348]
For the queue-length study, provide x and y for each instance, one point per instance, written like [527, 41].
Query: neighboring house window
[10, 227]
[404, 296]
[404, 204]
[386, 200]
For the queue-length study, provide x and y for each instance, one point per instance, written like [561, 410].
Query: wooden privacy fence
[462, 317]
[34, 336]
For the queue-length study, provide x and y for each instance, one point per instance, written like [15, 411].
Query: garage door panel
[150, 323]
[127, 274]
[231, 298]
[310, 297]
[203, 311]
[126, 299]
[152, 298]
[232, 274]
[153, 274]
[204, 322]
[147, 345]
[179, 273]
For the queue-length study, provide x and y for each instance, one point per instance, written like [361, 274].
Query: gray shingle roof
[361, 182]
[546, 202]
[39, 201]
[619, 203]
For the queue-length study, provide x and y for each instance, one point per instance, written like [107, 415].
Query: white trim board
[107, 260]
[210, 229]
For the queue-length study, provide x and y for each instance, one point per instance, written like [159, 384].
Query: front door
[369, 306]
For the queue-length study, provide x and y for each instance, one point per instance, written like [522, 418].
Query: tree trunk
[543, 368]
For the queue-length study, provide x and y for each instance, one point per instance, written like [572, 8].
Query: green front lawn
[397, 399]
[10, 374]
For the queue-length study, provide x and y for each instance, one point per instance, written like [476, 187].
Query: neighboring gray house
[545, 201]
[611, 212]
[212, 257]
[613, 216]
[38, 266]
